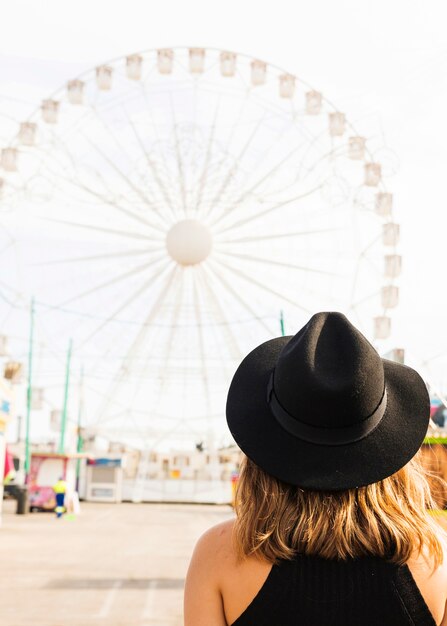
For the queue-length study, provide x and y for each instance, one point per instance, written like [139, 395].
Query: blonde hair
[388, 519]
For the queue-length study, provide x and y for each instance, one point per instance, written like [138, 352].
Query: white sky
[382, 62]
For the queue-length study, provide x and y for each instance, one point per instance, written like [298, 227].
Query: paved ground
[114, 565]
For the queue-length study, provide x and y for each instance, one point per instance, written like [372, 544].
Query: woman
[331, 526]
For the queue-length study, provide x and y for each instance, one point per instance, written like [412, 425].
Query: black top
[310, 591]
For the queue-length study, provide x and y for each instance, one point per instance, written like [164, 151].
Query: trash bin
[22, 501]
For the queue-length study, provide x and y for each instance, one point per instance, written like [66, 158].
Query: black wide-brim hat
[322, 410]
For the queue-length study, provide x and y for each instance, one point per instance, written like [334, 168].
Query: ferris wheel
[175, 208]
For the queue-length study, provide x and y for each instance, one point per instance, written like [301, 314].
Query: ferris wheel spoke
[204, 175]
[235, 126]
[252, 280]
[238, 298]
[142, 436]
[227, 364]
[139, 339]
[10, 304]
[127, 180]
[311, 167]
[105, 356]
[156, 133]
[194, 115]
[255, 168]
[293, 266]
[113, 281]
[372, 243]
[231, 133]
[118, 144]
[221, 317]
[233, 169]
[107, 201]
[18, 294]
[163, 190]
[178, 287]
[168, 433]
[102, 229]
[134, 296]
[202, 352]
[98, 257]
[377, 270]
[355, 280]
[228, 210]
[275, 207]
[370, 296]
[76, 182]
[14, 296]
[180, 170]
[124, 412]
[13, 305]
[300, 233]
[273, 171]
[232, 341]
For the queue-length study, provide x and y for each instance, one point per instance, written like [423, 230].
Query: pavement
[120, 565]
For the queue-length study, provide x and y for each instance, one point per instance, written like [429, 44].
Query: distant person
[60, 489]
[439, 416]
[331, 525]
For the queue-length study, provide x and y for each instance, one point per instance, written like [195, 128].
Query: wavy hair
[388, 519]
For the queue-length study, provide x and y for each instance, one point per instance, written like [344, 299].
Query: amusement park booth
[181, 476]
[104, 480]
[45, 470]
[5, 410]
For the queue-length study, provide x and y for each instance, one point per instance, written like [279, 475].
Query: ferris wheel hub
[189, 242]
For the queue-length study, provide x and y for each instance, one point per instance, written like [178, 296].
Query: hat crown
[329, 375]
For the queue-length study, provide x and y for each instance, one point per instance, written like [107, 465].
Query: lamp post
[29, 391]
[64, 410]
[80, 440]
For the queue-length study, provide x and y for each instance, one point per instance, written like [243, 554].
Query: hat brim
[321, 467]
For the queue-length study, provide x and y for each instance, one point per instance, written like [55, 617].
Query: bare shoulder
[220, 534]
[432, 583]
[216, 544]
[422, 568]
[217, 572]
[203, 600]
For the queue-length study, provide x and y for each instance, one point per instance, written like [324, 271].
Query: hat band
[319, 434]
